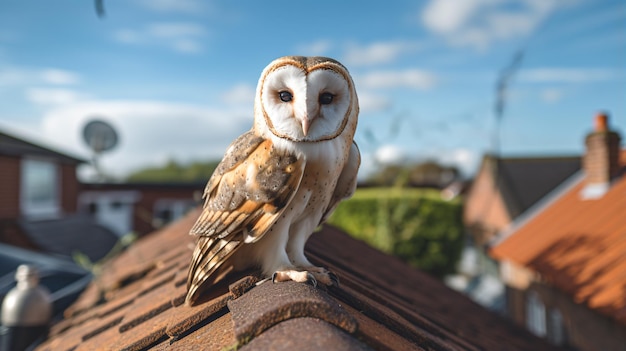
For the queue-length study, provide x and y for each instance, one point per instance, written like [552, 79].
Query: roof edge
[52, 149]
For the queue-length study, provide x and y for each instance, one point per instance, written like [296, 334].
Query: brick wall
[69, 188]
[585, 329]
[484, 211]
[9, 187]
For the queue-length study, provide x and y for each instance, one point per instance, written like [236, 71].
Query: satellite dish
[100, 137]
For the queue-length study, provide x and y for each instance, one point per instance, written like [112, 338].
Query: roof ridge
[268, 304]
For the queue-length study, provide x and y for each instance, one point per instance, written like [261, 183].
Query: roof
[13, 146]
[69, 235]
[525, 180]
[577, 245]
[138, 304]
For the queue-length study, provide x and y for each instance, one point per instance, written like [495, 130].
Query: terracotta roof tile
[579, 246]
[382, 304]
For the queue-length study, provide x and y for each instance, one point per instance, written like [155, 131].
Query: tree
[173, 171]
[425, 174]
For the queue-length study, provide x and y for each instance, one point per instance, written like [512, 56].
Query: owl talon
[333, 277]
[311, 280]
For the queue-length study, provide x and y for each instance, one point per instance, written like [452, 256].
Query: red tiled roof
[383, 304]
[579, 246]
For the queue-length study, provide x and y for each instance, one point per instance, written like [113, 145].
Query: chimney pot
[601, 122]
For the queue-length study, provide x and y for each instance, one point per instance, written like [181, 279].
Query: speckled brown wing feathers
[346, 184]
[245, 196]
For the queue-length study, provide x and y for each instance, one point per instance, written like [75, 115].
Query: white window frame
[39, 209]
[535, 314]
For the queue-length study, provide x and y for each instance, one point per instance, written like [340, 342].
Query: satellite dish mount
[100, 137]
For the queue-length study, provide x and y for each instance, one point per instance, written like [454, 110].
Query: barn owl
[282, 179]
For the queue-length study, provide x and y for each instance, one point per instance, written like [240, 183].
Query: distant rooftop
[525, 180]
[11, 145]
[577, 245]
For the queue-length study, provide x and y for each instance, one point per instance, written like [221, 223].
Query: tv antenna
[100, 137]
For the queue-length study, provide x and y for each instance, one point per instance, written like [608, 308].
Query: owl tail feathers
[209, 264]
[194, 291]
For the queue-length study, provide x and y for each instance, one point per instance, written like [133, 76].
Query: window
[535, 314]
[556, 329]
[39, 189]
[167, 210]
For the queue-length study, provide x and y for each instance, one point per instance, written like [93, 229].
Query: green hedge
[415, 225]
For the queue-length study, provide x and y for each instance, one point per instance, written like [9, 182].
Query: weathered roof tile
[270, 304]
[305, 334]
[137, 304]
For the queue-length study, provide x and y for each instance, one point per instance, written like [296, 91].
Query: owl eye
[285, 96]
[326, 98]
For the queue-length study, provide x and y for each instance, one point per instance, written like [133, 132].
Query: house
[504, 188]
[137, 303]
[38, 202]
[564, 262]
[138, 207]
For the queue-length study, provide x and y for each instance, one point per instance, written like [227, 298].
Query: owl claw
[311, 280]
[333, 277]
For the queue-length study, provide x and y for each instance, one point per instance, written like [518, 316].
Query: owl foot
[312, 275]
[296, 276]
[323, 275]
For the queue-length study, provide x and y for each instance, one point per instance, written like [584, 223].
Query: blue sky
[176, 78]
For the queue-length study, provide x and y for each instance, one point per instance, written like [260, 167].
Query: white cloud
[390, 154]
[52, 96]
[317, 48]
[59, 77]
[372, 102]
[187, 46]
[169, 6]
[567, 75]
[551, 95]
[128, 36]
[478, 23]
[183, 37]
[21, 76]
[149, 131]
[377, 53]
[241, 94]
[465, 160]
[175, 30]
[410, 78]
[449, 16]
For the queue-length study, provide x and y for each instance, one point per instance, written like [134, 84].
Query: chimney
[601, 160]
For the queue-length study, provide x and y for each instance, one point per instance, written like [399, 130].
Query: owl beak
[306, 123]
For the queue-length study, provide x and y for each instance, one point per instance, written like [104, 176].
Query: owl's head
[305, 99]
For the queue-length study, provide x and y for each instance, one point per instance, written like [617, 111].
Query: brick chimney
[601, 160]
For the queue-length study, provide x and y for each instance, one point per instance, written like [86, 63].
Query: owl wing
[246, 194]
[346, 184]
